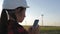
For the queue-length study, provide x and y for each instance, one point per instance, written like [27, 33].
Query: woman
[13, 12]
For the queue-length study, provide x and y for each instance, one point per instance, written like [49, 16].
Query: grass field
[47, 29]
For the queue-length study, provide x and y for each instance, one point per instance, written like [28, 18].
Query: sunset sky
[49, 8]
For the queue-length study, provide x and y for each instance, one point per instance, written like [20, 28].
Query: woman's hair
[4, 21]
[3, 24]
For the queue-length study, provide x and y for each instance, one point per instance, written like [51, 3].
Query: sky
[49, 8]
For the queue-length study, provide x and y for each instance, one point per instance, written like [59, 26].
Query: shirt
[15, 28]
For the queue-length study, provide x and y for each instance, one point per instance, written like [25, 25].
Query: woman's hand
[34, 30]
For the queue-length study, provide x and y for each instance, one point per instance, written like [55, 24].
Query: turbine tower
[42, 19]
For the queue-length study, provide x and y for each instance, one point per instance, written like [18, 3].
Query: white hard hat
[12, 4]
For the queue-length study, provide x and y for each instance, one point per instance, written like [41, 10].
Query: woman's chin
[20, 21]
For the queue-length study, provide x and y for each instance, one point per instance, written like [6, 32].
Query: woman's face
[20, 14]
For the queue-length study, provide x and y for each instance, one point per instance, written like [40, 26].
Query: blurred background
[47, 11]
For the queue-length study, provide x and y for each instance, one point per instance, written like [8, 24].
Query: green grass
[49, 28]
[45, 28]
